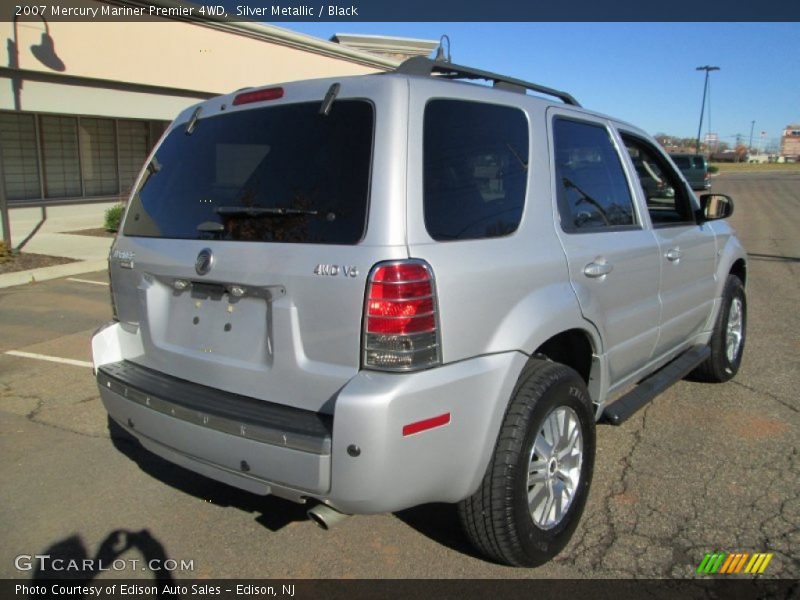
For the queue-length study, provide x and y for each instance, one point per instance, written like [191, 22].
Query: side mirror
[715, 206]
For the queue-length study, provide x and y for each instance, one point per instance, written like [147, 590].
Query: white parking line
[87, 281]
[55, 359]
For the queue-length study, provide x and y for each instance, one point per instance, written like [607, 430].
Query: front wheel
[535, 488]
[728, 337]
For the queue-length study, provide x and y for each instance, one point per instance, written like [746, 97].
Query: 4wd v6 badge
[334, 270]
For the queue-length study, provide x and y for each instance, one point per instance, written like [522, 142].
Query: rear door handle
[674, 255]
[596, 269]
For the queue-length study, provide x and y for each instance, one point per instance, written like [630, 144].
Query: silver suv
[380, 291]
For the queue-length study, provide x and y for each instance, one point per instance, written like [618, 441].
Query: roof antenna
[330, 96]
[440, 55]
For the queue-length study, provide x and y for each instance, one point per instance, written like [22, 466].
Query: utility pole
[750, 145]
[707, 69]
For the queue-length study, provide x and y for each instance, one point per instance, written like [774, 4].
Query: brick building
[790, 142]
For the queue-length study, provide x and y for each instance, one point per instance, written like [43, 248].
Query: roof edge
[271, 33]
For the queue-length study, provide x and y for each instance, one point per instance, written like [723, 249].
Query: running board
[623, 409]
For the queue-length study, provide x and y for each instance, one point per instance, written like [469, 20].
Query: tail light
[401, 321]
[114, 316]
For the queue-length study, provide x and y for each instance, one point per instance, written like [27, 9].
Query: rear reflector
[401, 318]
[419, 426]
[258, 96]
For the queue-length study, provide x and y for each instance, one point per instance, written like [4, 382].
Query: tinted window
[475, 161]
[682, 162]
[590, 183]
[667, 199]
[279, 174]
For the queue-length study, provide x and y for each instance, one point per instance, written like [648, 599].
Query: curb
[54, 272]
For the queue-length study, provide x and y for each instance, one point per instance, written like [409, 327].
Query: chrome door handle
[673, 254]
[596, 269]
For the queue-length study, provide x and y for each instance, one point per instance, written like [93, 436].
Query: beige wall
[171, 54]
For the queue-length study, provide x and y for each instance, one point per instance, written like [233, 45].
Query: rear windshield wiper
[262, 211]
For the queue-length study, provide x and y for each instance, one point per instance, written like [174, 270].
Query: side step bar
[623, 408]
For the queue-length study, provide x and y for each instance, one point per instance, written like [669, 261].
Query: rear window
[682, 162]
[699, 162]
[475, 160]
[278, 174]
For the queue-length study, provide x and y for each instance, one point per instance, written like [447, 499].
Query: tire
[723, 364]
[497, 518]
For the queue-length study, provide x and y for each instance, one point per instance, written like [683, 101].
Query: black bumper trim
[230, 413]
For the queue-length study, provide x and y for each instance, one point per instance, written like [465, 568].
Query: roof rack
[419, 65]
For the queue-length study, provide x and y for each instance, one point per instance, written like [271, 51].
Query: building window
[20, 160]
[54, 157]
[134, 145]
[98, 157]
[62, 176]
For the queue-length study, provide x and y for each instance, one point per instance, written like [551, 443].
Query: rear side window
[591, 187]
[278, 174]
[475, 160]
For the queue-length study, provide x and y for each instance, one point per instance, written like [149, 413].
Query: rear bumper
[274, 452]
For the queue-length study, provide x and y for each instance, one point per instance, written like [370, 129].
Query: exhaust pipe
[325, 516]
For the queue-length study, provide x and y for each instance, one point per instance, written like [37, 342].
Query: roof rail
[419, 65]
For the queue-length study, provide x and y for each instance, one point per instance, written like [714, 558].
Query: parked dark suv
[694, 168]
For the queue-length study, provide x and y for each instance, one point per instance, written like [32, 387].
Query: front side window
[667, 199]
[475, 165]
[591, 187]
[280, 174]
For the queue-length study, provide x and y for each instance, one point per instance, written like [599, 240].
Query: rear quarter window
[475, 169]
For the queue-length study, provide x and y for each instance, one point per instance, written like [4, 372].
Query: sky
[643, 73]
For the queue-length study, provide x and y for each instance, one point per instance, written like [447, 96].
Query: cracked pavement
[703, 468]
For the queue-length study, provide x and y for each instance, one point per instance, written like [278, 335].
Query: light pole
[707, 69]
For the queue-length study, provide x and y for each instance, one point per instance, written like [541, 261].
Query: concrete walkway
[52, 239]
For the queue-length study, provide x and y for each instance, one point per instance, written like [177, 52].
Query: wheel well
[572, 348]
[739, 269]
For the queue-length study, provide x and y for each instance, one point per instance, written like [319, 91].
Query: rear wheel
[728, 337]
[536, 485]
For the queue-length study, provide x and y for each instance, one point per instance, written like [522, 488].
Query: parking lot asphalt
[703, 468]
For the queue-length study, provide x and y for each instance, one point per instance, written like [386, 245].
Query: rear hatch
[245, 249]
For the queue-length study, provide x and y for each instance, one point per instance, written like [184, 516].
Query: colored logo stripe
[758, 563]
[711, 562]
[722, 562]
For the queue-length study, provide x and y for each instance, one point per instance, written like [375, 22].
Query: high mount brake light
[401, 322]
[258, 96]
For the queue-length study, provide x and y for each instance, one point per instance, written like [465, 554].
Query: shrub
[114, 216]
[713, 169]
[5, 253]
